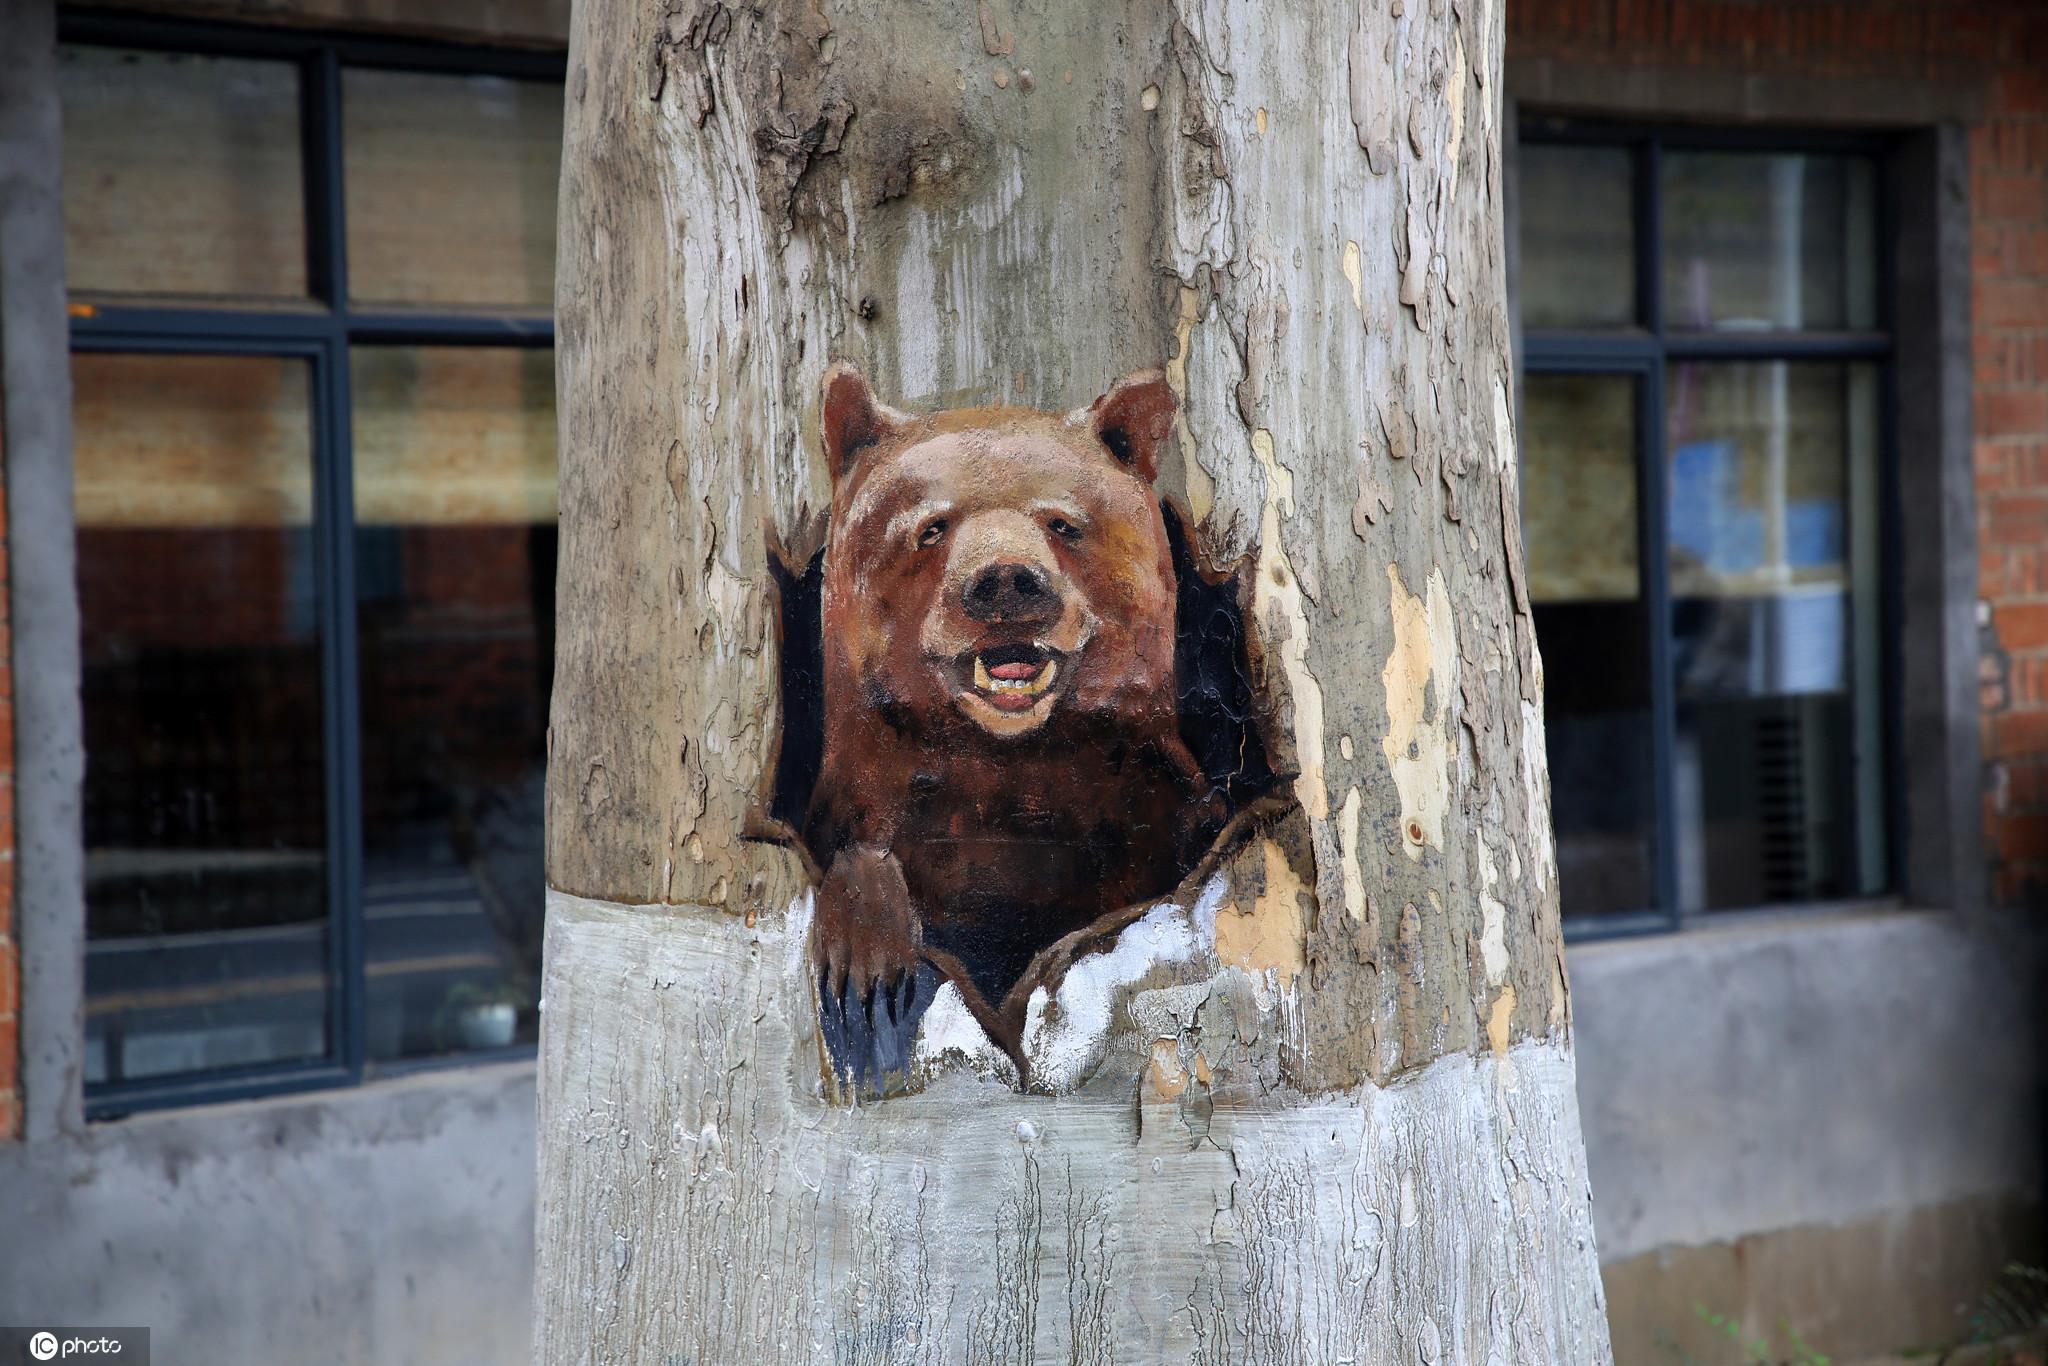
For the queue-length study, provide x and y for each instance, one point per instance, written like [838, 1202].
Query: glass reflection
[1578, 236]
[455, 550]
[1773, 603]
[181, 174]
[1580, 520]
[205, 803]
[1766, 241]
[451, 187]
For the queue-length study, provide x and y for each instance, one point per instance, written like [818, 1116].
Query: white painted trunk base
[699, 1204]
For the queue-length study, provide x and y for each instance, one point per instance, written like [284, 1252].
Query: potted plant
[482, 1015]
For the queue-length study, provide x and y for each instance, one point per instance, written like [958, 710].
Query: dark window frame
[1642, 354]
[318, 331]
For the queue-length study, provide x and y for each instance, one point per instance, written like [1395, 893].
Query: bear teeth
[1032, 686]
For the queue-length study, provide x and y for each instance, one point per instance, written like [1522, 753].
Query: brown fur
[1006, 827]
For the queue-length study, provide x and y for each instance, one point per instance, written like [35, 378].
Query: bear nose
[1010, 592]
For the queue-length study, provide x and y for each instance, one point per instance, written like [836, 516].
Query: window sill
[451, 1079]
[1759, 921]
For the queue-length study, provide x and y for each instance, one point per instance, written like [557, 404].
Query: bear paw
[873, 983]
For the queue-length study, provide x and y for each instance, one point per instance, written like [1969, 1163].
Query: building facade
[277, 413]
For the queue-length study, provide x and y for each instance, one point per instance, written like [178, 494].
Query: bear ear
[1133, 420]
[851, 419]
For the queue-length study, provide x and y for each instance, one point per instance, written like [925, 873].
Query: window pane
[1578, 236]
[1779, 240]
[455, 549]
[205, 836]
[1579, 515]
[1773, 620]
[451, 188]
[181, 174]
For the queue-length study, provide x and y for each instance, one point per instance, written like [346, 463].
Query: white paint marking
[1063, 1047]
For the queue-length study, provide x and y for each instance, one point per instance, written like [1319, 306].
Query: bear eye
[1064, 529]
[932, 534]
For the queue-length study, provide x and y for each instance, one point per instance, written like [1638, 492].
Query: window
[1703, 452]
[315, 498]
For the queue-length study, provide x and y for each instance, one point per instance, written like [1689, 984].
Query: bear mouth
[1013, 678]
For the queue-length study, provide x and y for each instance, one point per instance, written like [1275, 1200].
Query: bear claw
[870, 1035]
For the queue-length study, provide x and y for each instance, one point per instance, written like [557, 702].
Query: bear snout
[1012, 594]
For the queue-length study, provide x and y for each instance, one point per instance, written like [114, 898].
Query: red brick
[2023, 785]
[2008, 359]
[1965, 33]
[1637, 21]
[2017, 735]
[1983, 147]
[2020, 92]
[2018, 520]
[1992, 467]
[1988, 246]
[2012, 303]
[2010, 197]
[2007, 465]
[2008, 146]
[2021, 626]
[2026, 569]
[2020, 837]
[2020, 464]
[1993, 580]
[10, 954]
[2027, 683]
[2012, 412]
[2029, 362]
[2027, 251]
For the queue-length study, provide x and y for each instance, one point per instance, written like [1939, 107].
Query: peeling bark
[1314, 1106]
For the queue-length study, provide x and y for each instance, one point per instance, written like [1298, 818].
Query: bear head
[991, 570]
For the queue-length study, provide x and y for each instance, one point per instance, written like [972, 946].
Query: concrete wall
[1827, 1119]
[388, 1224]
[39, 719]
[1830, 1119]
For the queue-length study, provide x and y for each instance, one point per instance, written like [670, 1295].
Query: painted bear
[1003, 760]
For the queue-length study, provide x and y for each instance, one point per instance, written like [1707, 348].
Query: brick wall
[2009, 266]
[10, 953]
[2001, 48]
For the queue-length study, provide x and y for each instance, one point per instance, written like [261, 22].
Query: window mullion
[344, 748]
[1654, 512]
[326, 230]
[1650, 238]
[327, 237]
[1654, 508]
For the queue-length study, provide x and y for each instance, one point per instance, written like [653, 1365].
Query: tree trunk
[1315, 1103]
